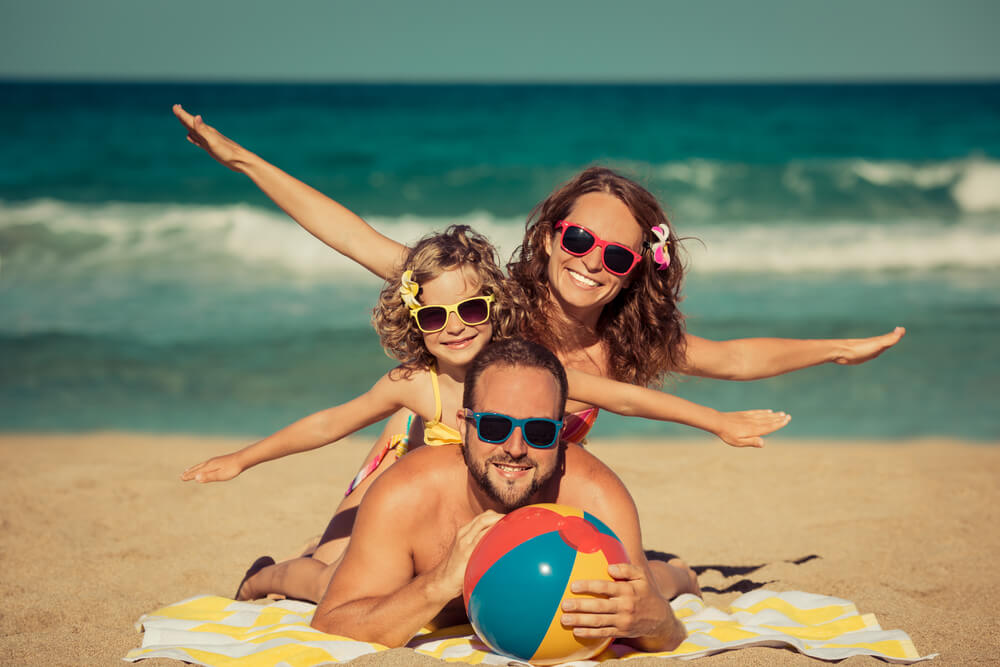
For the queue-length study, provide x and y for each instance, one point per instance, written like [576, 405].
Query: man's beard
[507, 495]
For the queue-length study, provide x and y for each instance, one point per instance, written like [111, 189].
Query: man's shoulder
[422, 488]
[587, 476]
[594, 487]
[581, 462]
[425, 473]
[431, 459]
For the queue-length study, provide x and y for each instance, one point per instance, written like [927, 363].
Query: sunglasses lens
[540, 433]
[494, 428]
[474, 311]
[618, 259]
[432, 318]
[577, 240]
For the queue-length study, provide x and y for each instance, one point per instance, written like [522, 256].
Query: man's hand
[450, 574]
[859, 350]
[630, 606]
[217, 469]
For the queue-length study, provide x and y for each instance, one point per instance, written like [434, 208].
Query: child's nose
[454, 323]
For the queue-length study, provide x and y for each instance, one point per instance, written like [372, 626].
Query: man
[420, 521]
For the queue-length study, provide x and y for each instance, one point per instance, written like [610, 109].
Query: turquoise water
[142, 286]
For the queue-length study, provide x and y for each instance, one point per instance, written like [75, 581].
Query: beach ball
[521, 571]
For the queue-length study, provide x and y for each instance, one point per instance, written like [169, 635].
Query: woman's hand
[324, 218]
[744, 429]
[225, 151]
[216, 469]
[859, 350]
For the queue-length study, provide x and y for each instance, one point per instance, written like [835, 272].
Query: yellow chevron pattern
[219, 632]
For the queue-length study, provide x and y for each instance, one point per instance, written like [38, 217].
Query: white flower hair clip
[659, 247]
[409, 289]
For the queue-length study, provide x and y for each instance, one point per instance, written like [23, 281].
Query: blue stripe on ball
[515, 601]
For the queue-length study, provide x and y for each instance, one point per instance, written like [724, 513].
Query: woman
[597, 280]
[626, 327]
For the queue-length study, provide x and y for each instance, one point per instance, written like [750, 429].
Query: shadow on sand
[744, 585]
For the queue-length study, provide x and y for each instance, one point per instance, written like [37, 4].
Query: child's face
[458, 343]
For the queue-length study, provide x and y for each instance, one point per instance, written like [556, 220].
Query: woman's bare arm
[756, 358]
[327, 220]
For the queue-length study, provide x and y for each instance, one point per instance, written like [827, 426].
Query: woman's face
[582, 284]
[458, 343]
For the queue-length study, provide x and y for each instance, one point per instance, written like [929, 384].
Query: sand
[98, 529]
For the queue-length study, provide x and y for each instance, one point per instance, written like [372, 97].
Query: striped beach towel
[215, 631]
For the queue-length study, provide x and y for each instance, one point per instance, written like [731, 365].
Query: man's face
[511, 473]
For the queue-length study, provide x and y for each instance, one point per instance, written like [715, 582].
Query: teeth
[509, 468]
[583, 279]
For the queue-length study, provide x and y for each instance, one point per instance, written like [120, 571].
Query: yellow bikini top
[436, 433]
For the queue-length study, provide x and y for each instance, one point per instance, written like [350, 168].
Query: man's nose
[515, 446]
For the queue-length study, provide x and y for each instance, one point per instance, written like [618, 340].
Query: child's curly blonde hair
[456, 247]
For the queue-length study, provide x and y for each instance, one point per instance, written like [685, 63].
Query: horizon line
[747, 81]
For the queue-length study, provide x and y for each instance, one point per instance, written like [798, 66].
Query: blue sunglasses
[495, 428]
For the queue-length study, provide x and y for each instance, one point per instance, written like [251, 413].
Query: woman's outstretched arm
[333, 224]
[756, 358]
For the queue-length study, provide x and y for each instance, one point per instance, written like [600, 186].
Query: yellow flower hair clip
[409, 289]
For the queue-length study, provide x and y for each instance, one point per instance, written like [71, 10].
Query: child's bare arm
[308, 433]
[739, 429]
[327, 220]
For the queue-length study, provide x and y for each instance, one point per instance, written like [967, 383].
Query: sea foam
[789, 248]
[48, 239]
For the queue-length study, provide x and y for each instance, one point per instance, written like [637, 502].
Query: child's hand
[744, 429]
[217, 469]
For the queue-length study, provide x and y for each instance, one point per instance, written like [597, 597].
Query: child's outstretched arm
[331, 223]
[739, 429]
[316, 430]
[756, 358]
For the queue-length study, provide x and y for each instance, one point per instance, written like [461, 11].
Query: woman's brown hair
[642, 328]
[456, 247]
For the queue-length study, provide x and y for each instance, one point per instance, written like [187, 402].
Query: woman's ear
[547, 243]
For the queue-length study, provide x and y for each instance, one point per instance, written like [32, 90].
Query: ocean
[145, 287]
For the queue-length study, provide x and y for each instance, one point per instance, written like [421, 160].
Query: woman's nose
[593, 260]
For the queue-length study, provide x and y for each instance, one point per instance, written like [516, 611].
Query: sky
[505, 40]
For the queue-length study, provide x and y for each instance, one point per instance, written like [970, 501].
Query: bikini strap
[437, 392]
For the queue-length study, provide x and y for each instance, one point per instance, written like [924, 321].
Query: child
[446, 307]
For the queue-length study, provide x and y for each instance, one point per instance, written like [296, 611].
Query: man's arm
[632, 607]
[375, 594]
[756, 358]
